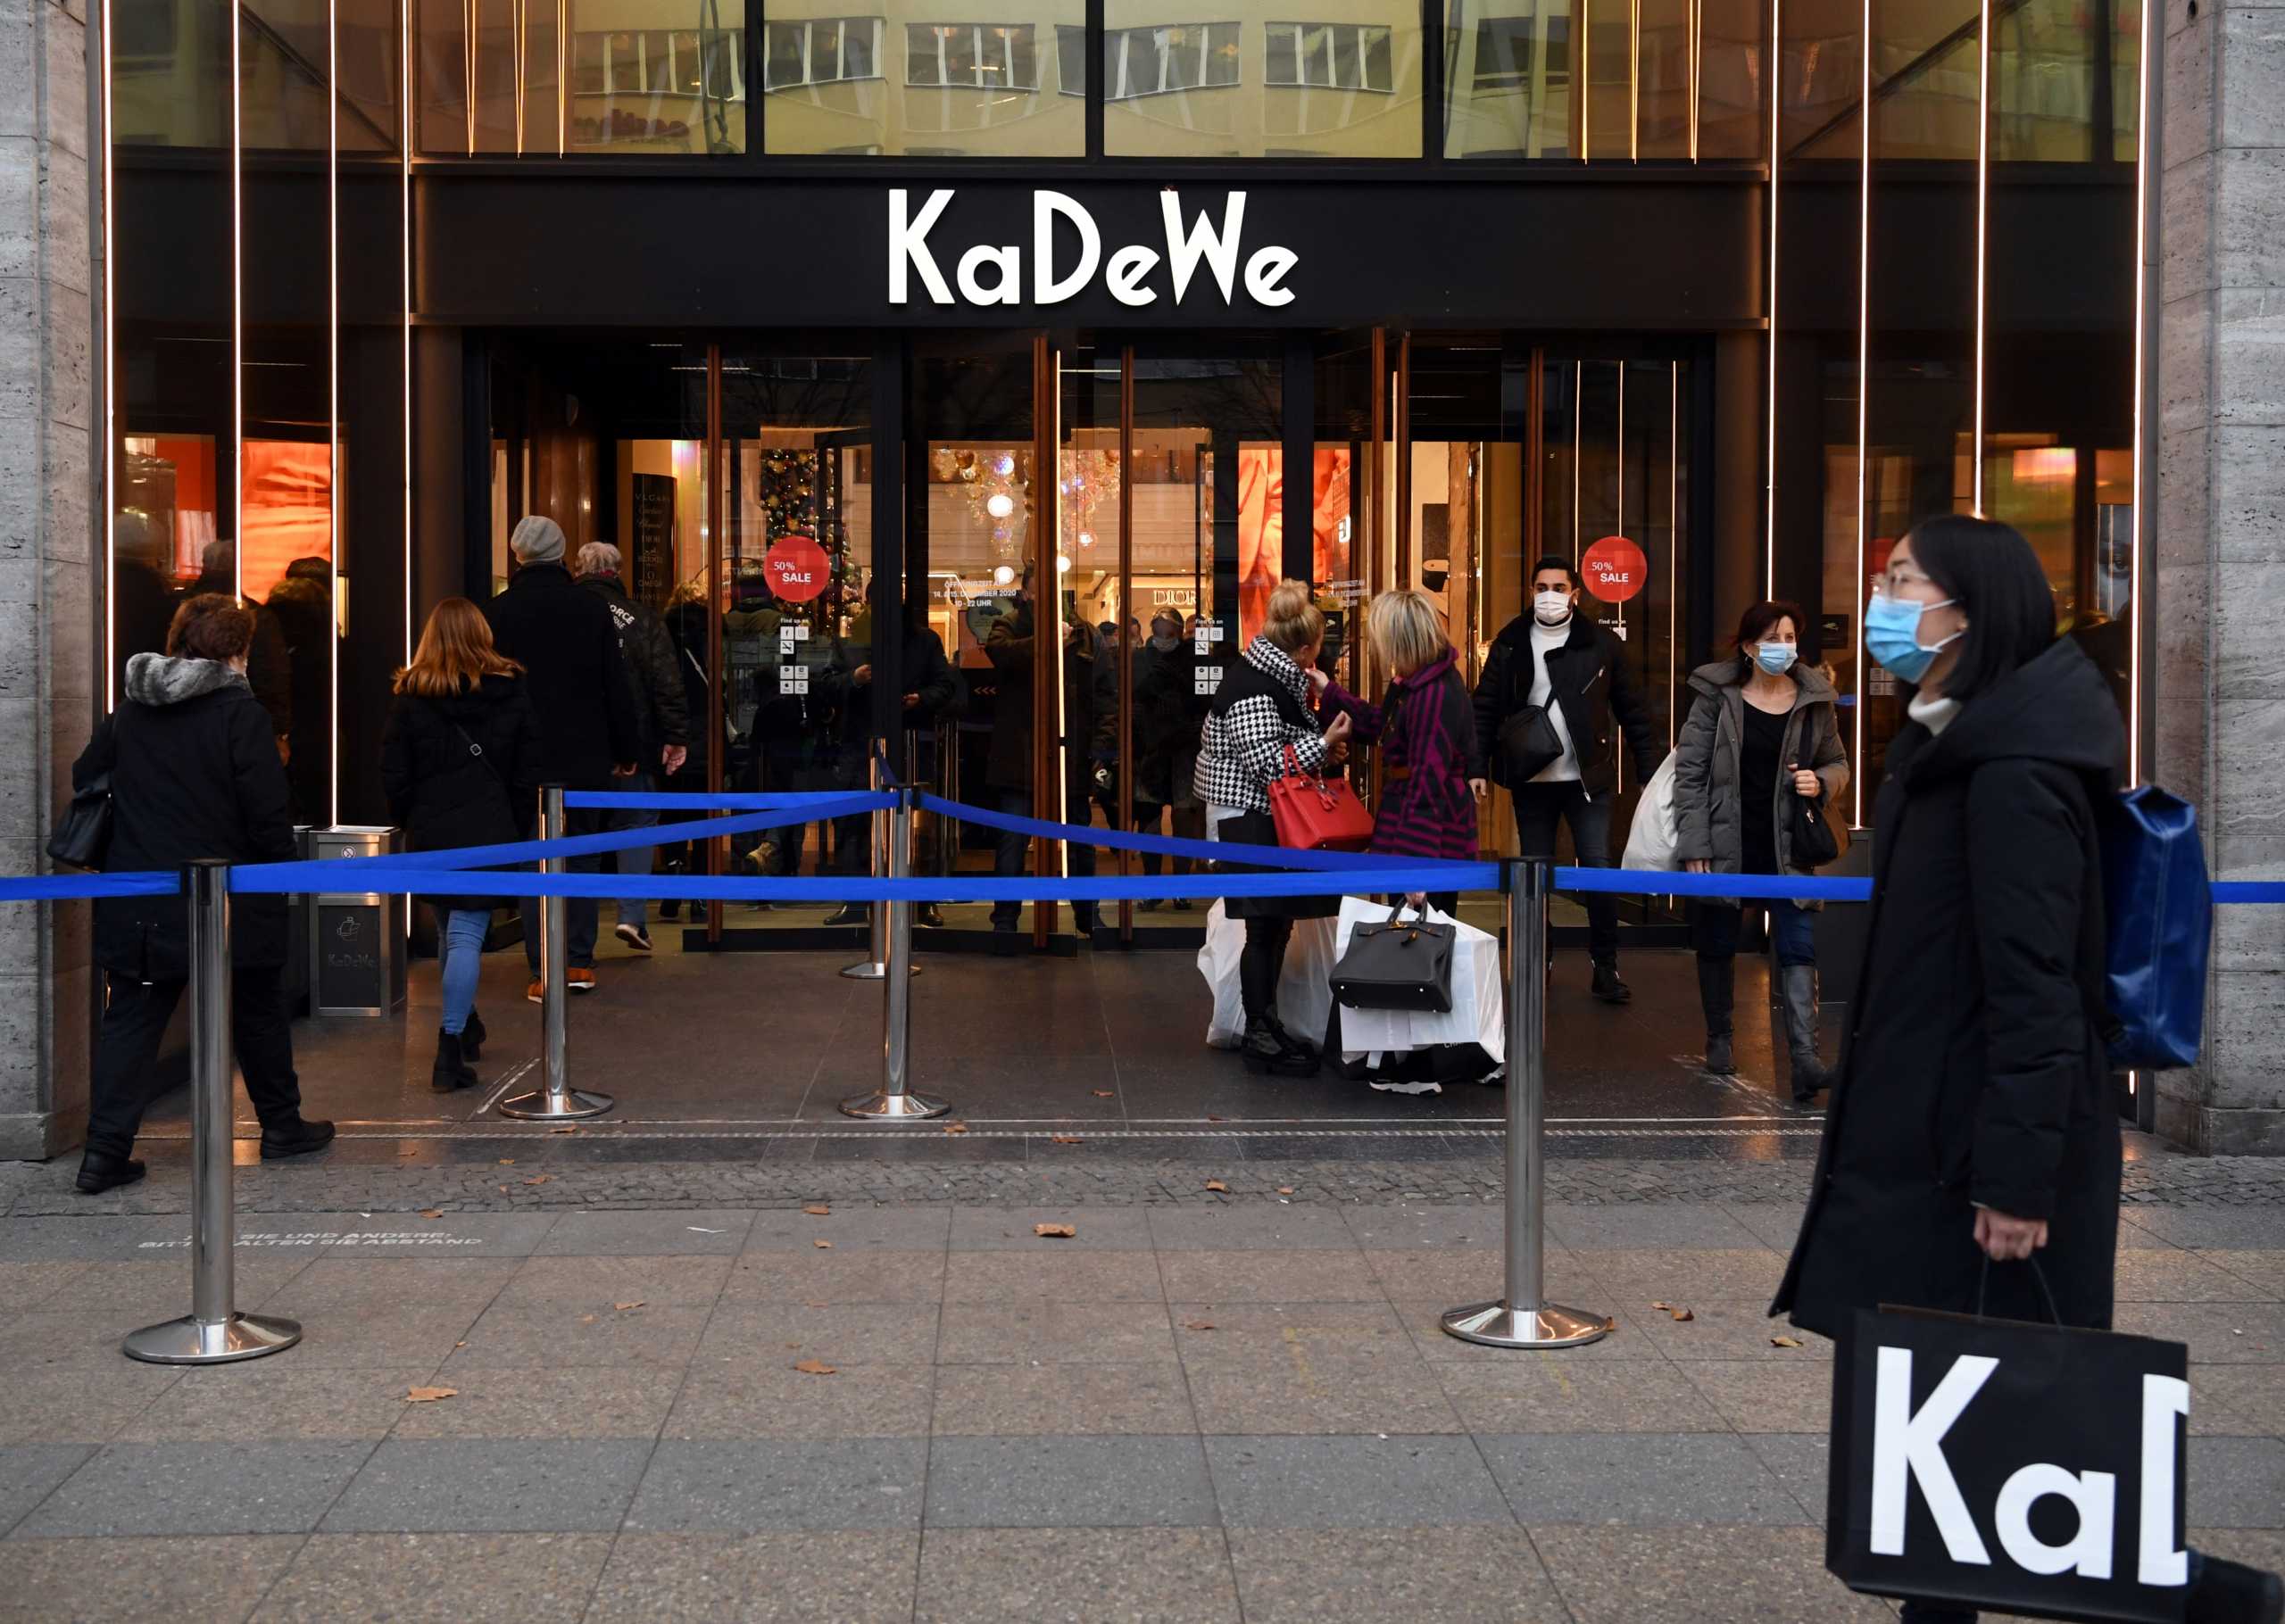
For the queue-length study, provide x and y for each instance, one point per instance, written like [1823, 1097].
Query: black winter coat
[1090, 707]
[194, 774]
[1169, 713]
[653, 667]
[443, 793]
[686, 625]
[565, 640]
[1973, 1074]
[1591, 681]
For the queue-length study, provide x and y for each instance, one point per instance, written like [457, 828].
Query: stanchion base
[535, 1106]
[895, 1107]
[188, 1341]
[872, 970]
[1497, 1325]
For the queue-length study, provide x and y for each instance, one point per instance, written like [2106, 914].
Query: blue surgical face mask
[1892, 635]
[1775, 658]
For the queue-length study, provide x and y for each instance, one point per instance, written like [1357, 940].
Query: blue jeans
[460, 945]
[1714, 932]
[634, 910]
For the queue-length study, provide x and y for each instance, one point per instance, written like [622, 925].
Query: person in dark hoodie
[590, 736]
[1762, 736]
[1971, 1121]
[459, 764]
[302, 604]
[194, 773]
[655, 670]
[926, 690]
[685, 622]
[269, 670]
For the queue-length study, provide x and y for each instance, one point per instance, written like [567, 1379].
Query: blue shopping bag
[2158, 911]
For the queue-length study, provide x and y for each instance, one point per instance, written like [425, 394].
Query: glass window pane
[860, 47]
[1070, 60]
[1282, 64]
[1510, 85]
[1345, 87]
[963, 85]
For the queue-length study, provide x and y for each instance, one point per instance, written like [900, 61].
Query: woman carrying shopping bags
[1433, 775]
[1761, 740]
[459, 764]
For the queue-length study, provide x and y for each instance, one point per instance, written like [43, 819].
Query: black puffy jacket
[568, 648]
[194, 773]
[1974, 1073]
[653, 668]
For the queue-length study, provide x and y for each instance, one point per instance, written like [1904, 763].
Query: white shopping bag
[1479, 1010]
[1304, 991]
[1651, 843]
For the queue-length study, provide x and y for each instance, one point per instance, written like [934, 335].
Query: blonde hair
[456, 652]
[1292, 621]
[1405, 631]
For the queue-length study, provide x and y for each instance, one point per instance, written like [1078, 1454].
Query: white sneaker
[635, 936]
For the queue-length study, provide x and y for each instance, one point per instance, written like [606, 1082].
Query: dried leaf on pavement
[819, 1211]
[1106, 1093]
[1784, 1342]
[1054, 1231]
[956, 1127]
[544, 1178]
[623, 1307]
[1064, 1138]
[507, 1161]
[1216, 1184]
[814, 1367]
[1683, 1315]
[429, 1396]
[572, 1129]
[432, 1212]
[822, 1246]
[1198, 1325]
[1284, 1189]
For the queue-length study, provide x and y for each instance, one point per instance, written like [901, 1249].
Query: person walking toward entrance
[459, 764]
[1168, 712]
[1544, 708]
[655, 671]
[1761, 738]
[590, 736]
[1972, 1122]
[194, 770]
[1257, 729]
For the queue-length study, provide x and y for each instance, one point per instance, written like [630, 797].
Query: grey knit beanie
[537, 540]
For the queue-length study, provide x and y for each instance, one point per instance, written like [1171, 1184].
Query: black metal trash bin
[356, 938]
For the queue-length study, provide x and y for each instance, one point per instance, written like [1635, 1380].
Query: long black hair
[1991, 573]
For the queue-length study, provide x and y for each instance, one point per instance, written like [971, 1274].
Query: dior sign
[992, 273]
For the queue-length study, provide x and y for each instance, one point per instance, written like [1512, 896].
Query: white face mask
[1553, 609]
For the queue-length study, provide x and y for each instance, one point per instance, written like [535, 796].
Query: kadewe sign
[1614, 569]
[797, 569]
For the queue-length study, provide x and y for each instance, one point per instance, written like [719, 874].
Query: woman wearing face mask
[1761, 737]
[1972, 1122]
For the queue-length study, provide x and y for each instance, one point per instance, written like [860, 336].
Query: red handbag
[1314, 813]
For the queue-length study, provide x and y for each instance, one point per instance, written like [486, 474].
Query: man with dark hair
[1543, 719]
[590, 735]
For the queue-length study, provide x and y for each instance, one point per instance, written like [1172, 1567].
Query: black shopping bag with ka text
[1992, 1464]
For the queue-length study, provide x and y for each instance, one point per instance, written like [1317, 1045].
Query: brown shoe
[536, 990]
[579, 980]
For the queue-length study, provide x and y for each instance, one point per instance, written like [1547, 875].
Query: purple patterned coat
[1427, 731]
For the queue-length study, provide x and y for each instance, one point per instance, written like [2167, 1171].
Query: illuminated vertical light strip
[238, 326]
[519, 61]
[109, 380]
[468, 65]
[1982, 238]
[1864, 388]
[1634, 81]
[2146, 430]
[1674, 534]
[1586, 96]
[1618, 782]
[404, 281]
[1769, 480]
[1578, 446]
[1694, 25]
[333, 403]
[563, 77]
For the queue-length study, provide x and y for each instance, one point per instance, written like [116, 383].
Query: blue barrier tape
[340, 874]
[2249, 891]
[1662, 882]
[64, 888]
[1204, 851]
[662, 801]
[855, 888]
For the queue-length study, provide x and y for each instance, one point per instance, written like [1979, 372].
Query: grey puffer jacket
[1709, 818]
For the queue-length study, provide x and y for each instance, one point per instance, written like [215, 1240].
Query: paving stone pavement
[1240, 1409]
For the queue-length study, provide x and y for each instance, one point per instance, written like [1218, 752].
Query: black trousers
[1538, 807]
[1260, 964]
[135, 1019]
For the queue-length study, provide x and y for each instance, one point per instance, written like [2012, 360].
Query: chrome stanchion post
[894, 1100]
[1524, 1318]
[875, 964]
[215, 1332]
[555, 1099]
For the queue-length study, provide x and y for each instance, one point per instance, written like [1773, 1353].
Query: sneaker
[1608, 988]
[300, 1138]
[537, 991]
[99, 1173]
[634, 935]
[1182, 905]
[579, 980]
[929, 915]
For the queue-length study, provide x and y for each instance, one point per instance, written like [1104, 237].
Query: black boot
[1608, 986]
[99, 1171]
[297, 1137]
[1718, 997]
[473, 1037]
[1269, 1050]
[450, 1069]
[1798, 983]
[929, 916]
[2226, 1592]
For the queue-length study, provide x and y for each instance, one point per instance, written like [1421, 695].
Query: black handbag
[82, 839]
[1813, 844]
[1403, 964]
[1527, 745]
